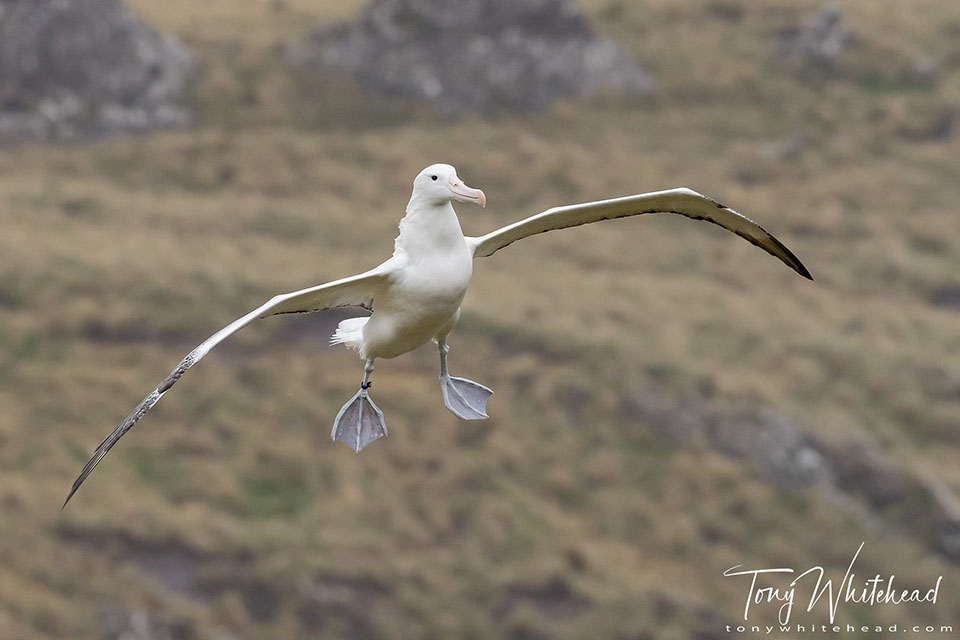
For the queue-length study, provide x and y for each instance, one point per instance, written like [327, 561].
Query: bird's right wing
[356, 291]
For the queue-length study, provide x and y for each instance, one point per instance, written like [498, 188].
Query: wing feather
[360, 291]
[685, 202]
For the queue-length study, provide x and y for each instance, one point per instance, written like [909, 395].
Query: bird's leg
[360, 421]
[466, 398]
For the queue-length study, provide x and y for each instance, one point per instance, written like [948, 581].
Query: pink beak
[463, 193]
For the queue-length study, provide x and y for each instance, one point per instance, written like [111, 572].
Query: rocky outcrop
[882, 494]
[119, 623]
[74, 70]
[773, 445]
[818, 42]
[475, 55]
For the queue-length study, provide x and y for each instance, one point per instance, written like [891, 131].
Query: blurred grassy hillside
[575, 510]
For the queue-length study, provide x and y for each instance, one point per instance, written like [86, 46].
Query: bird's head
[439, 184]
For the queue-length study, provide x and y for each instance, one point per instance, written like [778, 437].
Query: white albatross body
[422, 286]
[415, 296]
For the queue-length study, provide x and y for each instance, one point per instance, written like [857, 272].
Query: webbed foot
[465, 398]
[359, 422]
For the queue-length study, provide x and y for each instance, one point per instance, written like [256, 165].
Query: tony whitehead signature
[876, 590]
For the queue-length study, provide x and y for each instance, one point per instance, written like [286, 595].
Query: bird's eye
[433, 177]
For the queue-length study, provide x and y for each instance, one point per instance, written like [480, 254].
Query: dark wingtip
[789, 258]
[70, 495]
[87, 470]
[798, 266]
[76, 485]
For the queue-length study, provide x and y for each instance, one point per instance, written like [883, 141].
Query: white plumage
[349, 332]
[415, 296]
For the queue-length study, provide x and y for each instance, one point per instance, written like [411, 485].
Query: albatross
[415, 296]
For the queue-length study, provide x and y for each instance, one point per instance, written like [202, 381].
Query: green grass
[563, 515]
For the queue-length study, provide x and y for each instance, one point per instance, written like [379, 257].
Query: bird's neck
[428, 229]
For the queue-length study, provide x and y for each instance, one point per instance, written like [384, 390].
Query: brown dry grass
[558, 517]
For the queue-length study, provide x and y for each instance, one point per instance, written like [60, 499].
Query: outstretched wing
[683, 201]
[355, 291]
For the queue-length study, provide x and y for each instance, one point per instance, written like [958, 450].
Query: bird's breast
[438, 283]
[423, 298]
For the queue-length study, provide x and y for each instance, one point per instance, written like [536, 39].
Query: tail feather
[350, 333]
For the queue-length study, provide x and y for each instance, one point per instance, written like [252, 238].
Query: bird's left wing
[356, 291]
[683, 201]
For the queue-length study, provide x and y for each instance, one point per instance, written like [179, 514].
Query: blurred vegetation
[563, 515]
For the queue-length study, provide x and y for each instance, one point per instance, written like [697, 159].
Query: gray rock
[947, 297]
[868, 485]
[119, 623]
[84, 69]
[923, 72]
[782, 454]
[475, 55]
[775, 446]
[818, 42]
